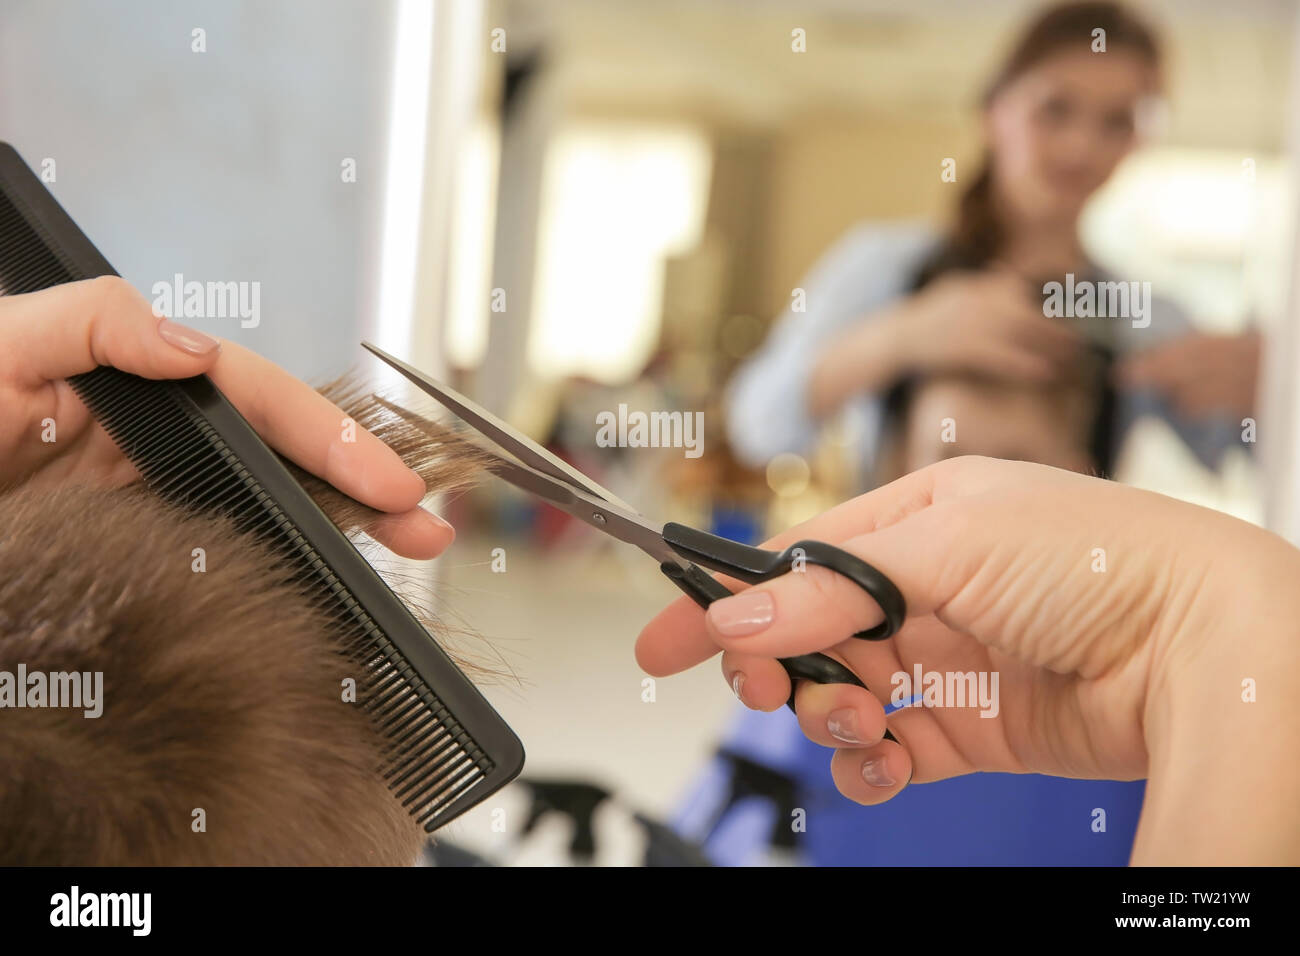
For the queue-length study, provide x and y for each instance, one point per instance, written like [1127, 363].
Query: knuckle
[115, 294]
[110, 286]
[823, 584]
[836, 595]
[959, 466]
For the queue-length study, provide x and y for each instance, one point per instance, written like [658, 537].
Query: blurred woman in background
[905, 328]
[894, 301]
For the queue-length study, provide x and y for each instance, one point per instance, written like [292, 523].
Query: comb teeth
[428, 758]
[26, 262]
[445, 749]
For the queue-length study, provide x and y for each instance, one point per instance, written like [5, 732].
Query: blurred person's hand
[1199, 374]
[1131, 667]
[983, 322]
[47, 336]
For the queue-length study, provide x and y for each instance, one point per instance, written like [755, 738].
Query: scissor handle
[754, 565]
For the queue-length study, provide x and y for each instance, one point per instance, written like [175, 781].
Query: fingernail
[876, 773]
[746, 613]
[187, 339]
[843, 725]
[737, 683]
[440, 522]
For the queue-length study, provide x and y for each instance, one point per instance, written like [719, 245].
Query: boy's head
[193, 708]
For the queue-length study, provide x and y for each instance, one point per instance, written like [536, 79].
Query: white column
[1279, 414]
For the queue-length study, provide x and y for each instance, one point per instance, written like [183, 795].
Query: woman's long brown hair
[977, 235]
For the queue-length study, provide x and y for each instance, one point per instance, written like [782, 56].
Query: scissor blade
[491, 427]
[604, 516]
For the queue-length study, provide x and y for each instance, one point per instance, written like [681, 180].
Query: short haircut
[224, 736]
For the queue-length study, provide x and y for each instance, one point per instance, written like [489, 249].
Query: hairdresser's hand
[50, 335]
[1200, 374]
[985, 322]
[1121, 625]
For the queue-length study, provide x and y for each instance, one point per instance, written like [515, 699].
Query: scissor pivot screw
[598, 517]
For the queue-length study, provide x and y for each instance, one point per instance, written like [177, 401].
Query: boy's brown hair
[224, 736]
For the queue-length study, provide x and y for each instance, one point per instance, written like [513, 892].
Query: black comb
[445, 748]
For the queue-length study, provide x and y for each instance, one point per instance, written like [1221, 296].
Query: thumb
[928, 555]
[73, 328]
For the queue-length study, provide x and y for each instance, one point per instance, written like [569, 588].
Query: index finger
[75, 327]
[676, 639]
[313, 432]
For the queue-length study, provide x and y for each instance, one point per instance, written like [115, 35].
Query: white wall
[223, 165]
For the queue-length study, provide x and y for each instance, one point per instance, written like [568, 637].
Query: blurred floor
[565, 621]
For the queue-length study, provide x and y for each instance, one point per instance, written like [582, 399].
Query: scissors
[681, 551]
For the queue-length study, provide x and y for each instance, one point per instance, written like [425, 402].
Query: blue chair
[768, 776]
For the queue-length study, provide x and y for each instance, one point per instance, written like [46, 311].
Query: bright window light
[1205, 227]
[616, 200]
[404, 179]
[470, 273]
